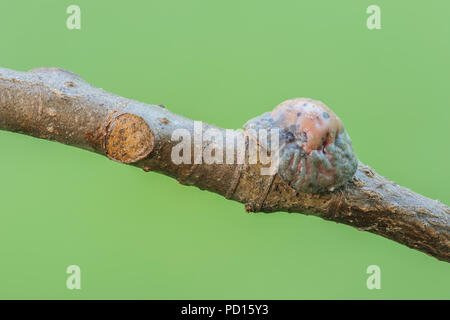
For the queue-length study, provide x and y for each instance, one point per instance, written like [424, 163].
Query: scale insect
[315, 151]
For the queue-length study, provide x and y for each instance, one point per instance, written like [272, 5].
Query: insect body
[315, 151]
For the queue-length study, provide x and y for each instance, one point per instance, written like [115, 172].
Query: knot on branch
[128, 139]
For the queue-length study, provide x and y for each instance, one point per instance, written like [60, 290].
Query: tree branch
[55, 104]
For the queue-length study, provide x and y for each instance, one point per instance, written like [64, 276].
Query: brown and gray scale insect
[315, 151]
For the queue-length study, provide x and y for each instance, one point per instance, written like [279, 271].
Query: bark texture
[58, 105]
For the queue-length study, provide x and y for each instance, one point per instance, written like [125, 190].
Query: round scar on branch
[315, 152]
[128, 139]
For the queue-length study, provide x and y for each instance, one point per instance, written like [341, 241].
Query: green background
[143, 235]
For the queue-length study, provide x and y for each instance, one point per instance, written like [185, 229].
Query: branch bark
[58, 105]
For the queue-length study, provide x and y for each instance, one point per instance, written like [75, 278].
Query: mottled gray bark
[55, 104]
